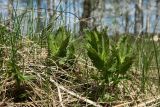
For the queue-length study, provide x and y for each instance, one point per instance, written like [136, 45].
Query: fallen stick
[60, 96]
[74, 94]
[149, 103]
[124, 104]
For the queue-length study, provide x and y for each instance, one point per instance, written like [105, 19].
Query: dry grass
[67, 91]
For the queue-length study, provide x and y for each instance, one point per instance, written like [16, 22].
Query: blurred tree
[138, 28]
[127, 15]
[66, 8]
[87, 9]
[157, 14]
[98, 12]
[158, 8]
[74, 9]
[29, 3]
[39, 16]
[126, 22]
[10, 13]
[51, 8]
[148, 17]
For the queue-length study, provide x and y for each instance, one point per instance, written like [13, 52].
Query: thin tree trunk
[10, 13]
[148, 20]
[148, 24]
[127, 22]
[66, 8]
[138, 17]
[50, 8]
[99, 8]
[87, 9]
[157, 14]
[39, 20]
[74, 9]
[158, 7]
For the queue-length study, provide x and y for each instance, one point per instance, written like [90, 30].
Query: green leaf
[92, 40]
[124, 67]
[95, 58]
[62, 51]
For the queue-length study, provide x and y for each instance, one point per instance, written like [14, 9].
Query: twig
[149, 102]
[124, 104]
[60, 96]
[74, 94]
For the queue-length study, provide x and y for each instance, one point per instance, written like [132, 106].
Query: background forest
[132, 16]
[79, 53]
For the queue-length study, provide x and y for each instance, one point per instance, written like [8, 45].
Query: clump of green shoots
[112, 60]
[13, 41]
[60, 47]
[146, 52]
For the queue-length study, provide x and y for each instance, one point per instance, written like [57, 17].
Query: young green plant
[112, 60]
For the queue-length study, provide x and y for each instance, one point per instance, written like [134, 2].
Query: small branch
[149, 102]
[74, 94]
[124, 104]
[60, 96]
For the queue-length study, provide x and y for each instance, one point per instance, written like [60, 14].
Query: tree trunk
[126, 22]
[39, 19]
[148, 24]
[138, 17]
[157, 14]
[148, 19]
[66, 8]
[10, 13]
[74, 9]
[50, 8]
[87, 9]
[158, 7]
[99, 8]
